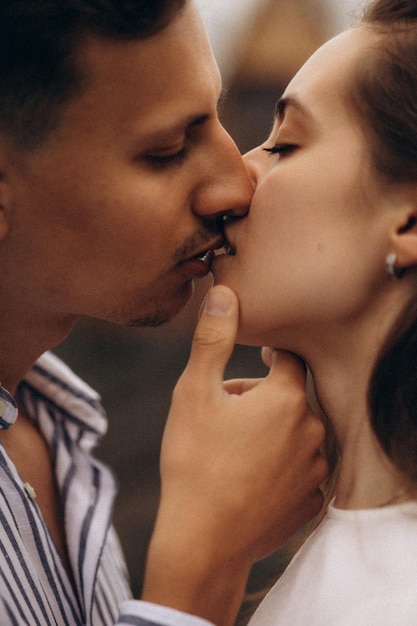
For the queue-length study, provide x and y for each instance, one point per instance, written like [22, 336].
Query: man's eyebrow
[165, 132]
[186, 123]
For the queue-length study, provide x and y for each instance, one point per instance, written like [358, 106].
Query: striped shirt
[35, 589]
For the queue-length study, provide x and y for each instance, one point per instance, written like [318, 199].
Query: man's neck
[23, 338]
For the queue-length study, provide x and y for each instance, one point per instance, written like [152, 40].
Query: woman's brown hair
[384, 94]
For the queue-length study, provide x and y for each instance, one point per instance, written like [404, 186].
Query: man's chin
[149, 322]
[163, 311]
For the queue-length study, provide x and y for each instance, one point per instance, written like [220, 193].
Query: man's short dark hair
[38, 45]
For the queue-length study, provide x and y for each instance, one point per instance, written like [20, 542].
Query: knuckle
[314, 429]
[183, 391]
[318, 431]
[323, 469]
[191, 389]
[210, 335]
[319, 472]
[183, 388]
[296, 402]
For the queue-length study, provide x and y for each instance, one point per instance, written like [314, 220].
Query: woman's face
[313, 247]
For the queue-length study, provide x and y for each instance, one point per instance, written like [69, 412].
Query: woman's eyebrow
[286, 102]
[222, 100]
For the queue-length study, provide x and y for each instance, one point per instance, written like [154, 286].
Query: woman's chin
[248, 336]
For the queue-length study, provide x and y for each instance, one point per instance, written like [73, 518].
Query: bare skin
[31, 456]
[87, 228]
[231, 527]
[198, 455]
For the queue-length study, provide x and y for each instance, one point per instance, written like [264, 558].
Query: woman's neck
[366, 476]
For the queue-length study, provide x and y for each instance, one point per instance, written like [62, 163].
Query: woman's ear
[404, 240]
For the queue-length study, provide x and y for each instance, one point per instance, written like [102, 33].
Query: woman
[325, 266]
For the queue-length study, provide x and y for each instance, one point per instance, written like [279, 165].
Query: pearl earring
[391, 269]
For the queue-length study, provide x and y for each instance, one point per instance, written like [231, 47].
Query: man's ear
[7, 159]
[4, 206]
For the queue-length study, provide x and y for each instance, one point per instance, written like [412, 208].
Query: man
[116, 175]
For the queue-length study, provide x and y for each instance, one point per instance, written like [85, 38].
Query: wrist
[194, 575]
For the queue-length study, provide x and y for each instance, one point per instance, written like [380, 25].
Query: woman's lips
[229, 249]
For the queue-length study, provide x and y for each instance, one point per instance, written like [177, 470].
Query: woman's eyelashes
[281, 148]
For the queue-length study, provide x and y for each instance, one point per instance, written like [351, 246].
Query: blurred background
[259, 45]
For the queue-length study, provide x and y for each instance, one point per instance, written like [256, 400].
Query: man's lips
[208, 254]
[199, 264]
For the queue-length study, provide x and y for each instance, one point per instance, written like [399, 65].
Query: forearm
[144, 613]
[196, 575]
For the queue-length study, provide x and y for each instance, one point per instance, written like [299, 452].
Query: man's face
[104, 218]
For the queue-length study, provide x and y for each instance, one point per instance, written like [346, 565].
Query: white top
[359, 568]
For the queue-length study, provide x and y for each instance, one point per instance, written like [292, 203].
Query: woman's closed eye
[281, 148]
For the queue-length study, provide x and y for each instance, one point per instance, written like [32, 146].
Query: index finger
[284, 364]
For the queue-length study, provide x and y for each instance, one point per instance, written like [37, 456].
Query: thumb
[215, 335]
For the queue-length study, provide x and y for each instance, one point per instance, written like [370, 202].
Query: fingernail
[268, 355]
[218, 302]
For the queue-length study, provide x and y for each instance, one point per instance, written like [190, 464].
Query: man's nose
[228, 188]
[251, 160]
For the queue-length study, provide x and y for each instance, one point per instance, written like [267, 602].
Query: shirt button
[30, 491]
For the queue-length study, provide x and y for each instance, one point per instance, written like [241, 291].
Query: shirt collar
[8, 409]
[51, 381]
